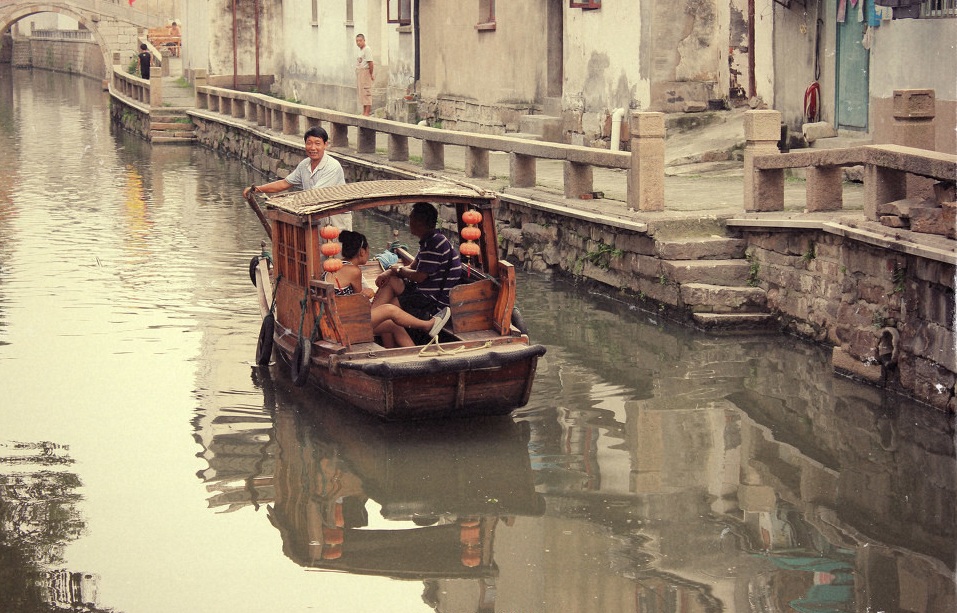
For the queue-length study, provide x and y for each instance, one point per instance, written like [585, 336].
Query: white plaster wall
[195, 35]
[602, 50]
[915, 53]
[764, 49]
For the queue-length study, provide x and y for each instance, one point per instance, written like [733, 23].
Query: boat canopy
[326, 201]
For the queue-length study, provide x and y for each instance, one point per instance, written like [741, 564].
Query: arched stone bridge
[114, 24]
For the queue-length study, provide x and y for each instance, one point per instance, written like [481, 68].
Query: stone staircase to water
[713, 276]
[170, 124]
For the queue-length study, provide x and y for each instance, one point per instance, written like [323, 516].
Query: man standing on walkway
[364, 74]
[317, 170]
[146, 58]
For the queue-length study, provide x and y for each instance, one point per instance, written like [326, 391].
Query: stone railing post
[578, 179]
[398, 148]
[646, 177]
[339, 134]
[825, 188]
[366, 142]
[763, 189]
[476, 163]
[433, 155]
[155, 92]
[521, 170]
[914, 114]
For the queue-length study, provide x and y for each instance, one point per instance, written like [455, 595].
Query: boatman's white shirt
[328, 172]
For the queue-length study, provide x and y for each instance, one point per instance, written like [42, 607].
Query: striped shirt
[439, 260]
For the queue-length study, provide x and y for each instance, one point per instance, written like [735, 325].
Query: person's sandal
[441, 318]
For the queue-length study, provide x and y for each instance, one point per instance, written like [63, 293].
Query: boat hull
[476, 382]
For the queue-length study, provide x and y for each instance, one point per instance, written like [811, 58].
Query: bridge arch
[111, 33]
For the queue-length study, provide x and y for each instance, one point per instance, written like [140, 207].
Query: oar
[251, 199]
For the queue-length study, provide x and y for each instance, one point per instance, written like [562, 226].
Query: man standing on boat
[317, 170]
[422, 287]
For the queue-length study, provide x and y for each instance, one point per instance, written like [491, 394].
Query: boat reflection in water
[446, 487]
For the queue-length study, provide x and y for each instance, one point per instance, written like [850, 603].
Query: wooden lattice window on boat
[291, 257]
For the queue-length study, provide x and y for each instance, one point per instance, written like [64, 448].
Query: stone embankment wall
[888, 313]
[73, 56]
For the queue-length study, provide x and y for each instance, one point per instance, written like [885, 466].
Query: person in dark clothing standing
[146, 58]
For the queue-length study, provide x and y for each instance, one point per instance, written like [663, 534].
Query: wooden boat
[482, 364]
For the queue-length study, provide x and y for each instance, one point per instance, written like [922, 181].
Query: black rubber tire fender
[299, 364]
[264, 345]
[253, 263]
[518, 321]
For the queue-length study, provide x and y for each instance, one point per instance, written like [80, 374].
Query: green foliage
[754, 267]
[810, 254]
[602, 255]
[898, 277]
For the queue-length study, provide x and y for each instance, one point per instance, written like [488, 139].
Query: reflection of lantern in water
[470, 233]
[470, 535]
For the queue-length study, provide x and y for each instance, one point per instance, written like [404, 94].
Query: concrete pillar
[398, 147]
[763, 189]
[914, 114]
[313, 122]
[433, 155]
[339, 135]
[646, 177]
[824, 188]
[366, 140]
[521, 170]
[237, 108]
[476, 163]
[579, 179]
[262, 115]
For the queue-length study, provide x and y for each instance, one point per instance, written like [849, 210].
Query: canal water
[146, 465]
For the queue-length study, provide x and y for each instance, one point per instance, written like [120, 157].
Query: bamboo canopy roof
[370, 194]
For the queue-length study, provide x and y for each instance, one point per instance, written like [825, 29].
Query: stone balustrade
[645, 168]
[149, 92]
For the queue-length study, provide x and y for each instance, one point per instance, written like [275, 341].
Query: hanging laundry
[841, 10]
[868, 39]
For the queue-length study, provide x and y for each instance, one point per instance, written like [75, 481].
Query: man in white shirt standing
[317, 170]
[364, 74]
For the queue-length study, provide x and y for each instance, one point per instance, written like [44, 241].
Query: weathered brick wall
[840, 291]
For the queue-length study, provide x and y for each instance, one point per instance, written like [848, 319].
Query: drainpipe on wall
[752, 86]
[256, 5]
[235, 63]
[616, 117]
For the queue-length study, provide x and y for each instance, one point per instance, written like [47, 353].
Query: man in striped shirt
[422, 288]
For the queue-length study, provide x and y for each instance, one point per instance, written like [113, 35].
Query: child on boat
[388, 320]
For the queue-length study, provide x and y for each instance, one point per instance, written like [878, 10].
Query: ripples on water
[143, 460]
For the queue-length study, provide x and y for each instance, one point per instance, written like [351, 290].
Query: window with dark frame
[486, 16]
[291, 259]
[585, 4]
[399, 11]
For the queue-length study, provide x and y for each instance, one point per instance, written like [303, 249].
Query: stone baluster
[398, 148]
[578, 179]
[476, 163]
[763, 189]
[339, 134]
[521, 170]
[824, 188]
[367, 140]
[646, 177]
[433, 155]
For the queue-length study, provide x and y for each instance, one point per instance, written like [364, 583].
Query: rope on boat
[440, 351]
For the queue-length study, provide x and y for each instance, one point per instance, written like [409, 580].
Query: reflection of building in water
[800, 493]
[38, 518]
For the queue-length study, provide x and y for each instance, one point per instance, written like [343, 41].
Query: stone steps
[171, 127]
[547, 127]
[712, 276]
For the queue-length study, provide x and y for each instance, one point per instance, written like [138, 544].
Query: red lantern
[472, 217]
[329, 249]
[471, 233]
[329, 232]
[332, 265]
[469, 249]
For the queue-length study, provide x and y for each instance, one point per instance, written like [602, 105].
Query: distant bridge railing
[84, 35]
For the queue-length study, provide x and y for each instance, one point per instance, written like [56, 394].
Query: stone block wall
[850, 295]
[72, 56]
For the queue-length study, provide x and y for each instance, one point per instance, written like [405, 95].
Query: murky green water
[146, 466]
